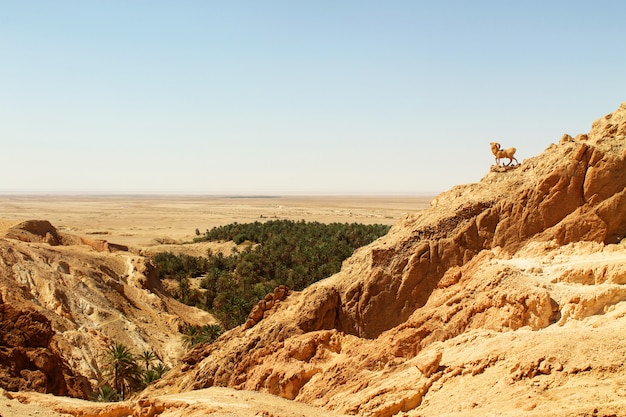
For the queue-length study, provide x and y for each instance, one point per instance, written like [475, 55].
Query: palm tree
[211, 332]
[160, 370]
[154, 373]
[148, 378]
[121, 361]
[190, 338]
[147, 357]
[204, 334]
[106, 394]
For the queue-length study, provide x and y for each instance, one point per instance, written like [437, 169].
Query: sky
[269, 97]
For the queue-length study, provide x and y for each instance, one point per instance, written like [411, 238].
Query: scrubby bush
[202, 334]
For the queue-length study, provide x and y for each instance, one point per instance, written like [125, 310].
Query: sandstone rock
[263, 308]
[428, 362]
[28, 358]
[490, 273]
[73, 301]
[256, 314]
[103, 245]
[281, 292]
[566, 138]
[40, 231]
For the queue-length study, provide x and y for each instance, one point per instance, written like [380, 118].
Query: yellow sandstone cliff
[507, 295]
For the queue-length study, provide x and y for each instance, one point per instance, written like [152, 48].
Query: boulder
[29, 358]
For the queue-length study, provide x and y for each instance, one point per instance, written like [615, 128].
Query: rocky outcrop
[29, 356]
[266, 306]
[572, 192]
[214, 402]
[86, 299]
[376, 338]
[42, 231]
[102, 245]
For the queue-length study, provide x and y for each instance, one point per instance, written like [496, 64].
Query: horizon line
[216, 195]
[257, 194]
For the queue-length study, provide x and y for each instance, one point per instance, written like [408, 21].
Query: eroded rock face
[490, 260]
[266, 306]
[86, 297]
[575, 191]
[35, 231]
[29, 356]
[42, 231]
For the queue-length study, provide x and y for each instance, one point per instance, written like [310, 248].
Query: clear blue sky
[294, 97]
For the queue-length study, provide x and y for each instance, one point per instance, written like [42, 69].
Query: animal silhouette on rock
[503, 153]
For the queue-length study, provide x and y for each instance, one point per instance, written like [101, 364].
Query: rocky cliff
[508, 294]
[63, 299]
[30, 360]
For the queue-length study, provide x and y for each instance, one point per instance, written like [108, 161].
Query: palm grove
[277, 252]
[126, 372]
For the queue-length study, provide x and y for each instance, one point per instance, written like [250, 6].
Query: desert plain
[148, 220]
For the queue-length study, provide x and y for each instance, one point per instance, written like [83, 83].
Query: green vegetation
[147, 357]
[124, 372]
[295, 254]
[106, 394]
[123, 369]
[202, 334]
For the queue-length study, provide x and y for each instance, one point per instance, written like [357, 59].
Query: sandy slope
[14, 408]
[215, 402]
